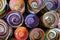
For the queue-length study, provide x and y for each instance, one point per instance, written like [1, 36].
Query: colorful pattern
[14, 19]
[53, 34]
[50, 19]
[3, 29]
[9, 34]
[37, 34]
[32, 21]
[40, 21]
[59, 20]
[59, 23]
[53, 4]
[2, 4]
[34, 6]
[21, 33]
[17, 5]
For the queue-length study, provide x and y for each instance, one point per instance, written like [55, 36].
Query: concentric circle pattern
[31, 21]
[53, 34]
[3, 29]
[2, 4]
[21, 33]
[36, 34]
[17, 5]
[53, 5]
[14, 19]
[50, 19]
[34, 6]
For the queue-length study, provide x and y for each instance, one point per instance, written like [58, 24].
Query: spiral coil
[31, 21]
[14, 19]
[17, 5]
[21, 33]
[3, 29]
[50, 19]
